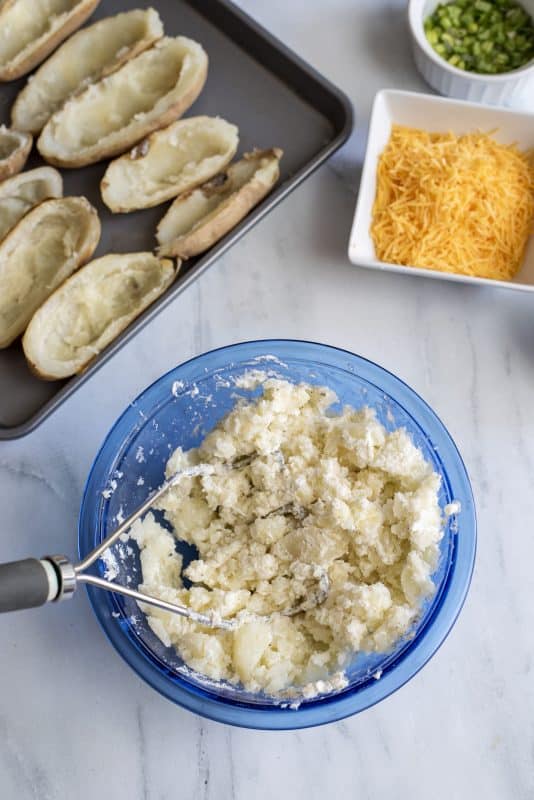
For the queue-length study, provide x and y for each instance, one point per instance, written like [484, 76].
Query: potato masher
[33, 582]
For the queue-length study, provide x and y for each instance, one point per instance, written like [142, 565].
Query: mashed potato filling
[310, 490]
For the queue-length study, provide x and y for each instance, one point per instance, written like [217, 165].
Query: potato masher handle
[33, 582]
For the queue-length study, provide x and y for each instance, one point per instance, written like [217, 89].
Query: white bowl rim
[415, 19]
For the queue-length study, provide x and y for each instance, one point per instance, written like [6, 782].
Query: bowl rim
[353, 699]
[415, 21]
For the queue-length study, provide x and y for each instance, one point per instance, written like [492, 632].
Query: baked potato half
[86, 57]
[22, 192]
[107, 118]
[45, 247]
[198, 219]
[31, 29]
[170, 161]
[90, 309]
[15, 148]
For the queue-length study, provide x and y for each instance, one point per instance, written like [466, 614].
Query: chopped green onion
[485, 36]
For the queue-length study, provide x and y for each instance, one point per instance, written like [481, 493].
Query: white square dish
[436, 114]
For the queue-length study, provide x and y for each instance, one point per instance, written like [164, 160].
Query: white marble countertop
[76, 721]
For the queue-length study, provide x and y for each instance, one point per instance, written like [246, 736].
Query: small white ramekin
[515, 88]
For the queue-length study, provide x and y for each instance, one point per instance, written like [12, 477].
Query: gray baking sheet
[254, 82]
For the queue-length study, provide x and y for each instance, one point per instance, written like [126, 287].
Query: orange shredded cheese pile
[461, 204]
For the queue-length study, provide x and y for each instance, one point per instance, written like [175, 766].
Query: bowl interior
[419, 10]
[179, 410]
[436, 114]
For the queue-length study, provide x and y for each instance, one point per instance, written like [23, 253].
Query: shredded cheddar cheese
[461, 204]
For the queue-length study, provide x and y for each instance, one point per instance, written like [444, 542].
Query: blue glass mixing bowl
[178, 409]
